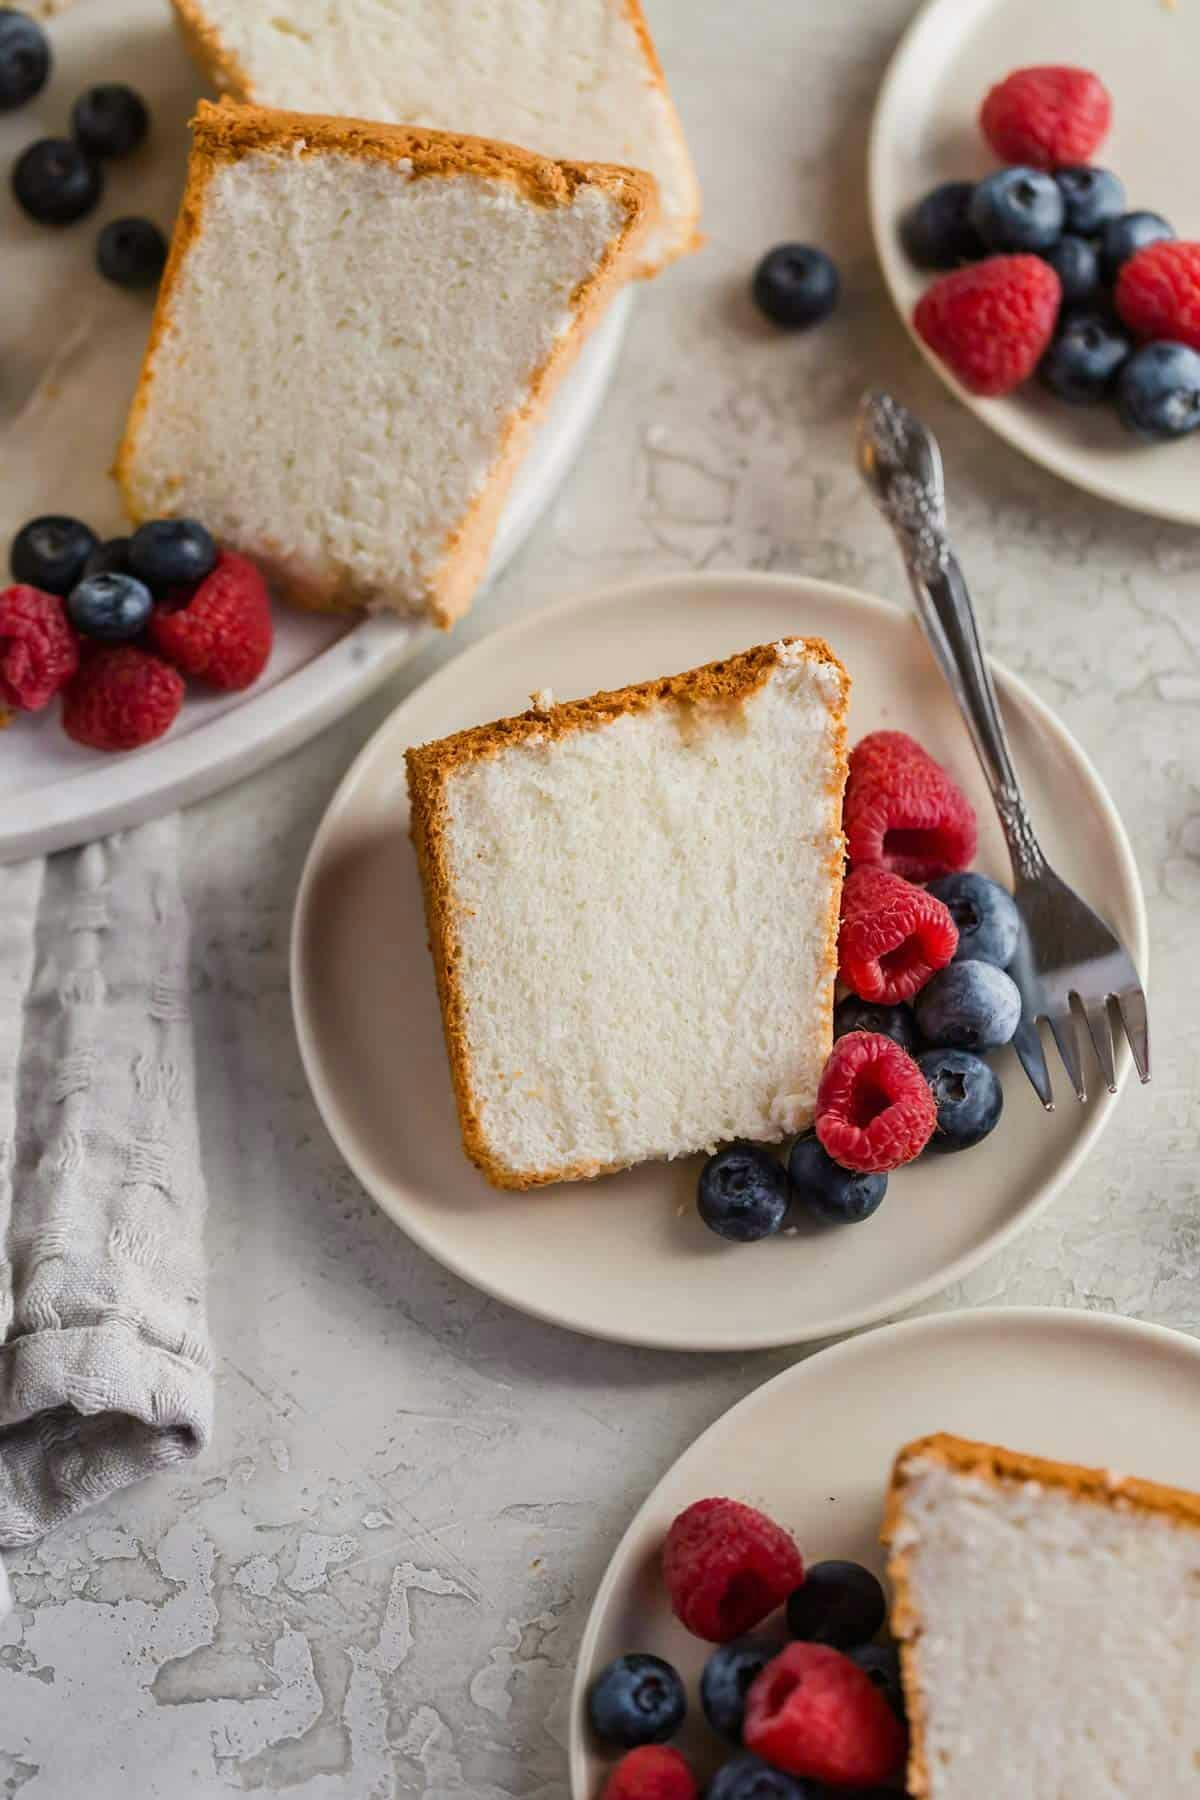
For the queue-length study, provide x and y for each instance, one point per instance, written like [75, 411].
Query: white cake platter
[70, 348]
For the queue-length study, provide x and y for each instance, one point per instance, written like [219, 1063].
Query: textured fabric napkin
[105, 1368]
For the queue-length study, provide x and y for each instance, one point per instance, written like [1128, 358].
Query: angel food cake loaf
[357, 328]
[1049, 1619]
[633, 908]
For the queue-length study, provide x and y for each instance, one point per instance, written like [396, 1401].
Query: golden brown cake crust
[430, 766]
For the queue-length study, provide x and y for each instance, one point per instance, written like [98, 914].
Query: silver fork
[1072, 970]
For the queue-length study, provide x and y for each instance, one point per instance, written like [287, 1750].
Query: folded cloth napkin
[105, 1367]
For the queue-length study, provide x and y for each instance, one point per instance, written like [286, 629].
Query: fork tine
[1131, 1004]
[1027, 1043]
[1066, 1037]
[1100, 1031]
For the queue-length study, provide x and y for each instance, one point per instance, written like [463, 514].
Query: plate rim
[869, 1343]
[1016, 431]
[1100, 1108]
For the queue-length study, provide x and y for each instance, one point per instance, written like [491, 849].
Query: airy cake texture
[633, 906]
[356, 330]
[1049, 1617]
[574, 78]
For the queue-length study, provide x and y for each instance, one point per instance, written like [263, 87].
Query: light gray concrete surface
[374, 1583]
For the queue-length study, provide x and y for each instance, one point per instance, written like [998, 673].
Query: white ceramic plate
[925, 131]
[70, 348]
[626, 1257]
[814, 1449]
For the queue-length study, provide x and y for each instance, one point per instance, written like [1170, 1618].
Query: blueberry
[895, 1022]
[637, 1700]
[1017, 209]
[830, 1193]
[109, 558]
[1076, 262]
[937, 233]
[882, 1663]
[968, 1095]
[110, 120]
[1123, 235]
[746, 1778]
[989, 924]
[109, 607]
[726, 1681]
[839, 1603]
[24, 58]
[131, 252]
[55, 182]
[743, 1193]
[1158, 391]
[796, 286]
[1091, 196]
[969, 1006]
[49, 553]
[1085, 358]
[171, 553]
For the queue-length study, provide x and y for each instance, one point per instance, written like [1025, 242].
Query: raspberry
[815, 1713]
[121, 698]
[655, 1772]
[893, 936]
[990, 322]
[903, 812]
[726, 1567]
[219, 631]
[1047, 117]
[875, 1109]
[1158, 292]
[38, 649]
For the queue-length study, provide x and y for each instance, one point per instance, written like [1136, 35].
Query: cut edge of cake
[999, 1468]
[228, 131]
[430, 766]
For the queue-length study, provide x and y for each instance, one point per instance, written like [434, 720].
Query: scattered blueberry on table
[131, 252]
[109, 120]
[25, 58]
[796, 285]
[55, 182]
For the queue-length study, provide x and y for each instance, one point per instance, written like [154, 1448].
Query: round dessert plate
[926, 131]
[814, 1448]
[72, 346]
[626, 1257]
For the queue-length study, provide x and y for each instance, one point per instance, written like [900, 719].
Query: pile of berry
[59, 180]
[927, 997]
[1049, 274]
[820, 1714]
[114, 627]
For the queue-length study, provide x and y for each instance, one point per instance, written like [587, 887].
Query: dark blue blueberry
[937, 232]
[109, 558]
[131, 252]
[55, 182]
[1076, 262]
[1158, 391]
[969, 1006]
[171, 553]
[49, 553]
[1131, 231]
[796, 286]
[830, 1193]
[839, 1603]
[986, 915]
[636, 1700]
[895, 1022]
[1091, 196]
[882, 1663]
[743, 1193]
[726, 1682]
[1017, 209]
[24, 58]
[1085, 358]
[746, 1778]
[110, 120]
[968, 1096]
[112, 608]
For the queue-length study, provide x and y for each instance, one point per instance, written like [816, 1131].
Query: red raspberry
[726, 1567]
[219, 631]
[875, 1109]
[655, 1772]
[903, 812]
[1047, 117]
[122, 698]
[1158, 292]
[893, 936]
[814, 1712]
[38, 650]
[990, 322]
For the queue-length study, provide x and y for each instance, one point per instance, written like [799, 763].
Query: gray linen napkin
[105, 1367]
